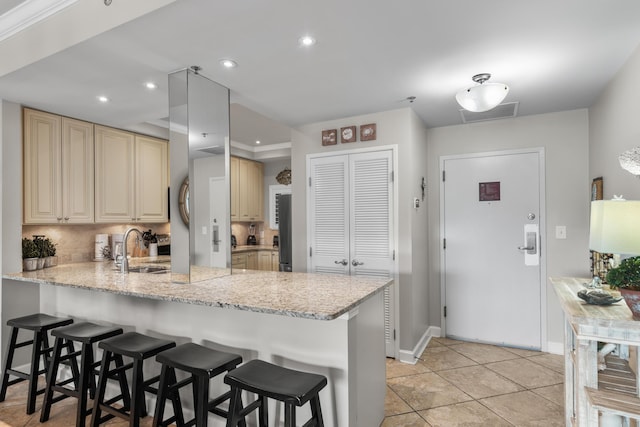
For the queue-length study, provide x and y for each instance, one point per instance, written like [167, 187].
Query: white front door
[491, 248]
[350, 209]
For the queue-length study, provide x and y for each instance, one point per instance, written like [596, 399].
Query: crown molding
[28, 13]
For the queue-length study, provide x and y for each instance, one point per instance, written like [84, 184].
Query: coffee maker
[251, 239]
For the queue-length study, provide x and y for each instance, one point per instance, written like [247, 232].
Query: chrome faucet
[124, 266]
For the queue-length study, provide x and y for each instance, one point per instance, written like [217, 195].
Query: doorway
[492, 280]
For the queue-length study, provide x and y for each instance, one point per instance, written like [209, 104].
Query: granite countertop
[312, 296]
[248, 248]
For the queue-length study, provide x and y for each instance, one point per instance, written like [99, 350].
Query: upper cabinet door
[58, 169]
[114, 175]
[234, 175]
[152, 164]
[42, 168]
[77, 171]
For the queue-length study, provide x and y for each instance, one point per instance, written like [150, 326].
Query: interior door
[350, 220]
[492, 276]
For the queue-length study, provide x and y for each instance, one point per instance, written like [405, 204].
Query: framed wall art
[330, 137]
[348, 134]
[596, 189]
[368, 132]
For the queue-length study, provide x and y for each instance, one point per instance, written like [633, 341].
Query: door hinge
[310, 251]
[442, 176]
[444, 243]
[309, 181]
[394, 255]
[392, 176]
[394, 334]
[445, 311]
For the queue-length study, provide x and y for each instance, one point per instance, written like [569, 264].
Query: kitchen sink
[155, 269]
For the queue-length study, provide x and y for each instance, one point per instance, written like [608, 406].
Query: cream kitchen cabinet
[131, 177]
[247, 192]
[58, 169]
[239, 261]
[268, 260]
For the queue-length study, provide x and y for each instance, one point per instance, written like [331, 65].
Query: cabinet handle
[66, 218]
[59, 218]
[343, 262]
[356, 263]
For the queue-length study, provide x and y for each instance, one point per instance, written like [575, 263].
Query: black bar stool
[294, 388]
[139, 348]
[87, 334]
[40, 324]
[203, 364]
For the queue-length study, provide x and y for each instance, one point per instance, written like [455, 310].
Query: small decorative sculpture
[284, 177]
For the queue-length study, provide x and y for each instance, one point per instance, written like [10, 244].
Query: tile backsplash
[241, 231]
[75, 243]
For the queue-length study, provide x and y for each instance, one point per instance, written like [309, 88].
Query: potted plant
[30, 255]
[626, 277]
[49, 252]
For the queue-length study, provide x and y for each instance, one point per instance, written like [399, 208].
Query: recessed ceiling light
[228, 63]
[151, 85]
[306, 41]
[103, 98]
[258, 142]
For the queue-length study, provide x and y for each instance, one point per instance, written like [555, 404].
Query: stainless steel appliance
[251, 239]
[284, 227]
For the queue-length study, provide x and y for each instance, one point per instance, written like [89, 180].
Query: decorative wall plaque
[368, 132]
[348, 134]
[330, 137]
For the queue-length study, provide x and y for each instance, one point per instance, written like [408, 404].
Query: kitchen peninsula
[332, 325]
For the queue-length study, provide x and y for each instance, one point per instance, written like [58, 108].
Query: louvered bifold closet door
[329, 215]
[370, 220]
[371, 225]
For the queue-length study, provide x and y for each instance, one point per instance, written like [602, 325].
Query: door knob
[343, 262]
[356, 263]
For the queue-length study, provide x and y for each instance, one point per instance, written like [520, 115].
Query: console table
[586, 390]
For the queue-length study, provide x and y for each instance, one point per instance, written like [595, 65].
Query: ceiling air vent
[502, 111]
[216, 149]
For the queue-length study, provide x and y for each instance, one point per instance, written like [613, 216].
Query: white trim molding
[28, 13]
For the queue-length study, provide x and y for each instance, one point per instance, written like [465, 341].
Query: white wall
[614, 128]
[398, 127]
[565, 139]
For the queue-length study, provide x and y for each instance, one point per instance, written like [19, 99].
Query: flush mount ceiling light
[306, 41]
[151, 85]
[484, 96]
[228, 63]
[103, 99]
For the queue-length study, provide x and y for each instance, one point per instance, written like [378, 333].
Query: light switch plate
[561, 231]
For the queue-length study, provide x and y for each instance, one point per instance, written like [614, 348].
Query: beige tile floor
[453, 384]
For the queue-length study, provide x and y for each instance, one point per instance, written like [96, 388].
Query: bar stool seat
[203, 364]
[40, 324]
[138, 347]
[86, 334]
[294, 388]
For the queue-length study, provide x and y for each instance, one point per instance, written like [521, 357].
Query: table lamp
[615, 226]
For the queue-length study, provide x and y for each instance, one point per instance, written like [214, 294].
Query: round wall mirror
[183, 201]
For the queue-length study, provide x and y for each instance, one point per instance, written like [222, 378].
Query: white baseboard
[411, 356]
[555, 347]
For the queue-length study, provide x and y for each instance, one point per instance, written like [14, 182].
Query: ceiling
[370, 56]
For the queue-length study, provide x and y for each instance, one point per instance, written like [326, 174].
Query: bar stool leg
[85, 373]
[33, 373]
[175, 399]
[201, 396]
[138, 407]
[122, 380]
[162, 397]
[316, 411]
[7, 364]
[102, 385]
[289, 415]
[263, 412]
[51, 378]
